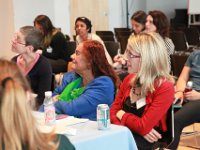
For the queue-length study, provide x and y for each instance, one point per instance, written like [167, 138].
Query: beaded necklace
[134, 91]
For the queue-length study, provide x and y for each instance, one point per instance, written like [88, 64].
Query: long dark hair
[95, 53]
[47, 28]
[140, 17]
[161, 22]
[45, 23]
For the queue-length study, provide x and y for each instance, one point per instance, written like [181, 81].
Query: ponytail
[12, 106]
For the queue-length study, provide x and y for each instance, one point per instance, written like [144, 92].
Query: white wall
[25, 11]
[135, 5]
[118, 11]
[115, 12]
[58, 10]
[167, 6]
[62, 16]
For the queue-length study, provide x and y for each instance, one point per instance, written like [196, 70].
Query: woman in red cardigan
[147, 92]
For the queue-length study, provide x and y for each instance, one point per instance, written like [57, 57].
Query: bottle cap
[189, 84]
[48, 93]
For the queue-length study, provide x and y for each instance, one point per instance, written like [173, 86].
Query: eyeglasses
[16, 40]
[20, 43]
[130, 55]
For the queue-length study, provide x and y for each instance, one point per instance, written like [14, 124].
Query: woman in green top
[18, 128]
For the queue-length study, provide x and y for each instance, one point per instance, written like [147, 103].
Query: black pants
[143, 144]
[187, 115]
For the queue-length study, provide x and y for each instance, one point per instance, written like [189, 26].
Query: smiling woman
[92, 82]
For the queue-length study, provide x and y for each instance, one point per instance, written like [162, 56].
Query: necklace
[136, 93]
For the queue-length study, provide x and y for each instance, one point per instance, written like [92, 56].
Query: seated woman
[83, 28]
[147, 92]
[138, 20]
[93, 82]
[34, 66]
[54, 46]
[189, 113]
[157, 22]
[19, 130]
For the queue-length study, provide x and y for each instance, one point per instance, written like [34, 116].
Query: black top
[131, 108]
[40, 77]
[57, 48]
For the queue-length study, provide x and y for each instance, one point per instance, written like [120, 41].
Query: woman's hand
[178, 96]
[120, 114]
[55, 98]
[192, 95]
[120, 59]
[152, 136]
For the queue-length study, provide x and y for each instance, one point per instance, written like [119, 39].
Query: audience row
[140, 102]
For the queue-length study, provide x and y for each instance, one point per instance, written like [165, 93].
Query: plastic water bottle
[49, 109]
[188, 87]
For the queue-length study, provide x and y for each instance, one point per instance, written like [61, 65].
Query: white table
[88, 137]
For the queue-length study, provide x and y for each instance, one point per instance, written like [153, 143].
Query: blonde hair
[154, 62]
[17, 124]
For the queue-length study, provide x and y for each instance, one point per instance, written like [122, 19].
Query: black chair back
[106, 35]
[168, 136]
[192, 36]
[177, 63]
[121, 29]
[112, 48]
[179, 40]
[71, 47]
[123, 40]
[107, 38]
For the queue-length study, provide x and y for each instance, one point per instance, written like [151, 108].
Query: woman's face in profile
[150, 27]
[137, 27]
[18, 43]
[81, 28]
[133, 60]
[79, 61]
[39, 27]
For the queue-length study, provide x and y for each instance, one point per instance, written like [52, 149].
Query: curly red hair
[95, 53]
